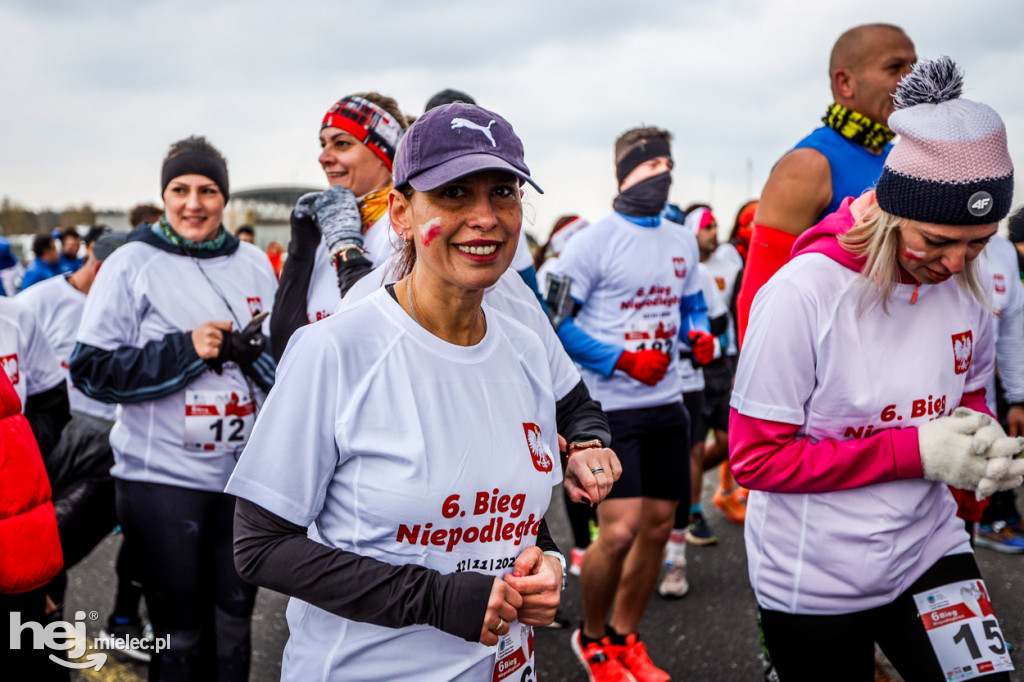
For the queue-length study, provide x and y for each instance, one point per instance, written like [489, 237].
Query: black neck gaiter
[646, 198]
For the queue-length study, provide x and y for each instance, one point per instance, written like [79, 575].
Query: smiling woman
[425, 445]
[171, 333]
[347, 224]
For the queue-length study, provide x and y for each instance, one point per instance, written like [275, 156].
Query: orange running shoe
[600, 663]
[733, 503]
[634, 657]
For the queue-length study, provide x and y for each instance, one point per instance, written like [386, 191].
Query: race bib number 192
[217, 420]
[963, 630]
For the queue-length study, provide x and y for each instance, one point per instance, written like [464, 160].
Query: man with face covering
[626, 300]
[842, 158]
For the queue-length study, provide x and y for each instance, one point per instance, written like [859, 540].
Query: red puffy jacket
[30, 555]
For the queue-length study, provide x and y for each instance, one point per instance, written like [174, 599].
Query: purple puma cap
[455, 140]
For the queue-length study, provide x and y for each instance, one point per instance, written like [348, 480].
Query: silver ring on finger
[597, 470]
[501, 625]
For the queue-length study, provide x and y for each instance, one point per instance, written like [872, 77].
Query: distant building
[267, 209]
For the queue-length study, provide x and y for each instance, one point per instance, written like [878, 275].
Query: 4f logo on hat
[979, 204]
[539, 451]
[963, 348]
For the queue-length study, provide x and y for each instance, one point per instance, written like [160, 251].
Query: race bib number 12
[963, 630]
[217, 420]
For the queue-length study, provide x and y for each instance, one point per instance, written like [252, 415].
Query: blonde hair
[876, 238]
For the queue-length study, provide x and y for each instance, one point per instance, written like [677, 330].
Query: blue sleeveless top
[854, 168]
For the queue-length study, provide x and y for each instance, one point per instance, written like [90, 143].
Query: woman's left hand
[580, 481]
[537, 577]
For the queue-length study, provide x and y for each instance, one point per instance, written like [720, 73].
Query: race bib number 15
[217, 420]
[963, 630]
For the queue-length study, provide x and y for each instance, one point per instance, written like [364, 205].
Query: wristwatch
[575, 447]
[344, 252]
[561, 560]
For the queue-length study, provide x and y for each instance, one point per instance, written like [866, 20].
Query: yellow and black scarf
[373, 206]
[857, 128]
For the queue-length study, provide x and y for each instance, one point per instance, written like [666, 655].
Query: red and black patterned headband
[368, 123]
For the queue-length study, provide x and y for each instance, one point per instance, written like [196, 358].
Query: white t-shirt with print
[630, 280]
[817, 355]
[509, 295]
[58, 308]
[379, 242]
[693, 377]
[192, 437]
[405, 448]
[25, 354]
[1000, 272]
[724, 269]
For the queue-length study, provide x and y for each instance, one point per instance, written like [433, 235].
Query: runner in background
[144, 213]
[45, 264]
[338, 235]
[631, 296]
[845, 423]
[1000, 526]
[70, 245]
[79, 468]
[726, 264]
[843, 158]
[171, 332]
[582, 517]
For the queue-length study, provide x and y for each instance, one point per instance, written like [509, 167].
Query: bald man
[840, 159]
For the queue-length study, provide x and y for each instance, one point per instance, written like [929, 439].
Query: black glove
[305, 207]
[242, 347]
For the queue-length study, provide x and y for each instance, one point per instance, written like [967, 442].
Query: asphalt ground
[710, 635]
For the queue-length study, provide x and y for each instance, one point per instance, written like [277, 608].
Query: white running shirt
[815, 357]
[630, 280]
[405, 448]
[379, 242]
[1000, 272]
[142, 294]
[58, 308]
[25, 354]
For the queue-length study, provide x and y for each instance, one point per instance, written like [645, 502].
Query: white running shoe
[674, 583]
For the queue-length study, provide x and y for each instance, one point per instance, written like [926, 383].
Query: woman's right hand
[502, 608]
[207, 337]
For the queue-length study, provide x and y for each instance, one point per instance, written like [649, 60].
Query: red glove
[647, 366]
[703, 346]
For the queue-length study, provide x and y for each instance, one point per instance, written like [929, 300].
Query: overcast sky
[93, 93]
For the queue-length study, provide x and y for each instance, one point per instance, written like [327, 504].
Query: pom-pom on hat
[951, 165]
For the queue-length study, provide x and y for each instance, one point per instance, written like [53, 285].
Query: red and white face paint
[429, 231]
[466, 231]
[933, 253]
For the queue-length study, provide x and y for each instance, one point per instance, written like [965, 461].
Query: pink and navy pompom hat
[951, 165]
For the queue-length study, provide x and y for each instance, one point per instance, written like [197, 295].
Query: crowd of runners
[373, 423]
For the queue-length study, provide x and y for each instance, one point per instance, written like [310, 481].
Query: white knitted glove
[1001, 472]
[964, 451]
